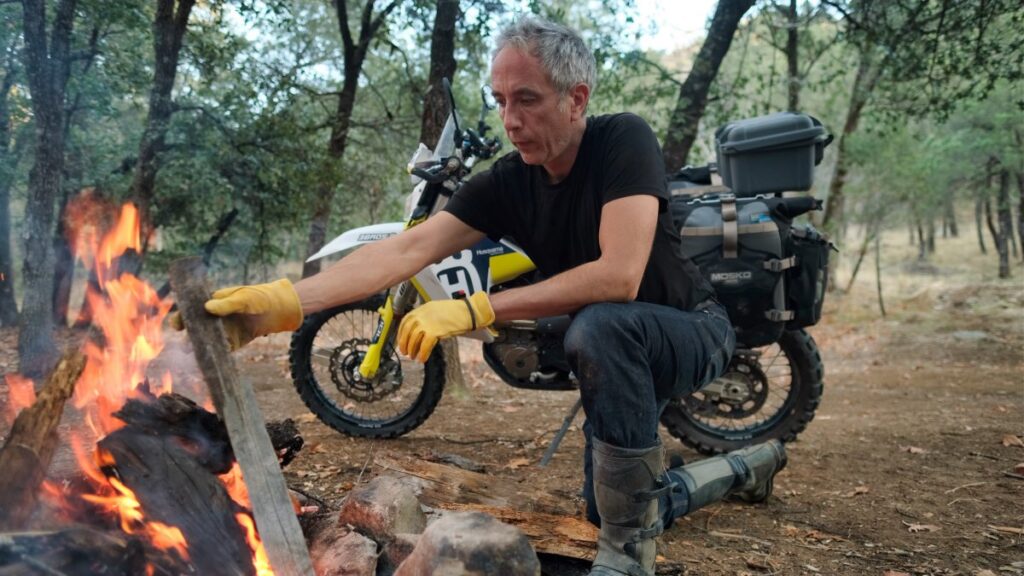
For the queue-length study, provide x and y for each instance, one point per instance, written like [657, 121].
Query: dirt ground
[908, 467]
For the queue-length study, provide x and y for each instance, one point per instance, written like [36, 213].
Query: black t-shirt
[557, 224]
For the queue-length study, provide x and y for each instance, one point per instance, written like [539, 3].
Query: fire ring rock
[385, 506]
[471, 544]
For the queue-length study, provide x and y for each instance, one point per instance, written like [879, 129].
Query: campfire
[172, 480]
[161, 490]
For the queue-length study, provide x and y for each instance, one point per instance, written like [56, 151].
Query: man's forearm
[363, 273]
[565, 293]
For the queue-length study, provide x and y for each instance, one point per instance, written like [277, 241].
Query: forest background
[272, 126]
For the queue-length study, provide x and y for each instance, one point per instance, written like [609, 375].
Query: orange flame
[130, 315]
[21, 394]
[259, 560]
[127, 506]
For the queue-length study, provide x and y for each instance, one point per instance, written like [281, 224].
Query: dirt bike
[347, 370]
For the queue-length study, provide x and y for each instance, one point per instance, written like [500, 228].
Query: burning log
[236, 405]
[71, 551]
[176, 490]
[31, 444]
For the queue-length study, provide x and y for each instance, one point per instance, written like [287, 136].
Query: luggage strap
[779, 315]
[778, 265]
[730, 227]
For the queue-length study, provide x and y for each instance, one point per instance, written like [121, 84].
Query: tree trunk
[793, 57]
[978, 209]
[931, 235]
[47, 69]
[1020, 210]
[869, 235]
[863, 85]
[1005, 222]
[922, 244]
[355, 51]
[693, 94]
[949, 217]
[1002, 246]
[64, 266]
[9, 156]
[169, 27]
[435, 112]
[878, 272]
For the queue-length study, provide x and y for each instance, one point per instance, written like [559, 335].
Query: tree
[435, 113]
[10, 154]
[693, 94]
[355, 50]
[169, 25]
[926, 56]
[47, 67]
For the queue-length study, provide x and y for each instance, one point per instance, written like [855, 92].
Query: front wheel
[325, 355]
[770, 392]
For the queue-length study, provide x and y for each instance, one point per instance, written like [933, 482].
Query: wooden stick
[26, 455]
[236, 404]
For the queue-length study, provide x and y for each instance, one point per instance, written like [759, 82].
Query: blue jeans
[631, 359]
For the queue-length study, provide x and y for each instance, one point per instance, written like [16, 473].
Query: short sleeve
[476, 204]
[633, 163]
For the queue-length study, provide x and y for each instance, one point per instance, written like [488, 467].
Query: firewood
[76, 550]
[442, 483]
[236, 404]
[29, 448]
[175, 489]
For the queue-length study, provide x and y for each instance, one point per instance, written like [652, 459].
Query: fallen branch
[26, 455]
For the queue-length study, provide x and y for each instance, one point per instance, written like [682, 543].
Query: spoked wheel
[325, 355]
[769, 392]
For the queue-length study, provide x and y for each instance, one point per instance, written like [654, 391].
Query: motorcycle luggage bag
[743, 247]
[773, 153]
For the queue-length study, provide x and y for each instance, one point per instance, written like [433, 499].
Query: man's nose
[510, 118]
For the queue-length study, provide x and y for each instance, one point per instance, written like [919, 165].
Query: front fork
[384, 335]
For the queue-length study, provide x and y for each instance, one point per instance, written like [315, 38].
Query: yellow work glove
[423, 327]
[251, 311]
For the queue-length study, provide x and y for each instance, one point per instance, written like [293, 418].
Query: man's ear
[579, 96]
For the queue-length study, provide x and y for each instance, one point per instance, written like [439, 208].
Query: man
[586, 198]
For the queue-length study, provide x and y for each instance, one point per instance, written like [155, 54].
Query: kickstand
[561, 433]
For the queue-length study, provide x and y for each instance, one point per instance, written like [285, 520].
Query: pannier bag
[767, 272]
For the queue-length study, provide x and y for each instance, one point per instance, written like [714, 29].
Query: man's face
[540, 121]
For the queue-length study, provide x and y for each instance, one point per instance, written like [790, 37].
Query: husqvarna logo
[374, 236]
[731, 277]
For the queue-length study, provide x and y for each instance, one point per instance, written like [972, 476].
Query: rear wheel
[769, 392]
[325, 355]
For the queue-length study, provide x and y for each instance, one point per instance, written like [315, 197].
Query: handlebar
[473, 144]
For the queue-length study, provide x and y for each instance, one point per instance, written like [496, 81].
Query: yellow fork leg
[371, 362]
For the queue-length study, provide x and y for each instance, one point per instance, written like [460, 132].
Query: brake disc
[344, 368]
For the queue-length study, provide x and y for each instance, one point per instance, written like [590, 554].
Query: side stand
[561, 433]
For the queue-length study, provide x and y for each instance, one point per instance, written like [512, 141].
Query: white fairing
[358, 236]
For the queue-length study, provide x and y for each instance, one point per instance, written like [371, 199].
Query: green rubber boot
[627, 488]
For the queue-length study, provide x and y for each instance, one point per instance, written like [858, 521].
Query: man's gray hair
[560, 50]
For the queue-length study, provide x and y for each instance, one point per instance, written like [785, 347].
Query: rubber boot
[748, 473]
[626, 488]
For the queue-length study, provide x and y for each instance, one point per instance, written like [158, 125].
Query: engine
[526, 358]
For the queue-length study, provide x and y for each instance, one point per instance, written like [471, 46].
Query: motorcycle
[345, 366]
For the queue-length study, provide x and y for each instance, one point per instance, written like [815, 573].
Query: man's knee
[594, 329]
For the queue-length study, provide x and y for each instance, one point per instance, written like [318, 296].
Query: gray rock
[471, 544]
[970, 335]
[385, 506]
